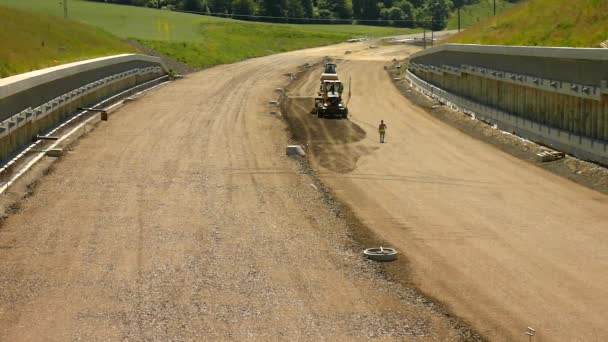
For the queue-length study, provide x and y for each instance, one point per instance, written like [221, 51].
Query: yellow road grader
[328, 102]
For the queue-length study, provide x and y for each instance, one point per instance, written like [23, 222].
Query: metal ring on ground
[381, 253]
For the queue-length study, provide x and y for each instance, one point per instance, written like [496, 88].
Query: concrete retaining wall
[556, 96]
[580, 146]
[576, 65]
[48, 97]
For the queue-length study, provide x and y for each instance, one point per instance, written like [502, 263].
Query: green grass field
[580, 23]
[473, 14]
[201, 40]
[31, 41]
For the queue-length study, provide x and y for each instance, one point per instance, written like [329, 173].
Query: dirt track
[181, 219]
[504, 243]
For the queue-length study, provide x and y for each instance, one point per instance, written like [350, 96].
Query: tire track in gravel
[503, 243]
[181, 218]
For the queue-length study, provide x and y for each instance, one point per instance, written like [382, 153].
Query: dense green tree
[418, 3]
[192, 5]
[357, 8]
[308, 7]
[462, 3]
[408, 13]
[459, 3]
[324, 13]
[339, 8]
[219, 6]
[343, 9]
[438, 11]
[383, 12]
[243, 7]
[370, 9]
[325, 5]
[395, 14]
[294, 9]
[380, 7]
[146, 3]
[420, 17]
[273, 8]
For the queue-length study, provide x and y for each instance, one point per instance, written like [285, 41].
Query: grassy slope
[580, 23]
[30, 42]
[473, 14]
[201, 40]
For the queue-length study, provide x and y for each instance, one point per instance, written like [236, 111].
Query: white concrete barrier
[44, 116]
[582, 147]
[18, 83]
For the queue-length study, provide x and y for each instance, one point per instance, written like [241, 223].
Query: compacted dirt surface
[503, 243]
[182, 219]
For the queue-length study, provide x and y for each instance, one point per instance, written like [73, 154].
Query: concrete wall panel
[584, 147]
[55, 94]
[580, 65]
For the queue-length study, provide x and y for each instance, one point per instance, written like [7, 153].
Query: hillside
[581, 23]
[202, 40]
[473, 14]
[34, 41]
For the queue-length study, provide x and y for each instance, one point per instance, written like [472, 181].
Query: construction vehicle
[328, 102]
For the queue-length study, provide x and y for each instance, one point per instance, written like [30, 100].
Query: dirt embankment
[174, 66]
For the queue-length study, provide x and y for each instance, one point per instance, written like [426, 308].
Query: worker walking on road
[382, 130]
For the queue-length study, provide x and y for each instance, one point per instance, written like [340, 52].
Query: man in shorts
[382, 130]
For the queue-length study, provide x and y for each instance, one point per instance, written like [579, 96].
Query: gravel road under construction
[182, 219]
[503, 243]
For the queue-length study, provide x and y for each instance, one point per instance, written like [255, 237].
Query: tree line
[431, 14]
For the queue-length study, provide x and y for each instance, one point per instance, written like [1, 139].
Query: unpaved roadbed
[182, 219]
[586, 173]
[503, 243]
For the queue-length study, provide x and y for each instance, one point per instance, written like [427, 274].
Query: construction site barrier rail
[42, 112]
[562, 140]
[554, 96]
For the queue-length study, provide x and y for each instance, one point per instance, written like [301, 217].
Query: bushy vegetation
[402, 13]
[230, 41]
[33, 41]
[164, 25]
[475, 11]
[194, 39]
[580, 23]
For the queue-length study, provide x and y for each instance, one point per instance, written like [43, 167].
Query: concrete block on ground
[54, 152]
[295, 150]
[549, 156]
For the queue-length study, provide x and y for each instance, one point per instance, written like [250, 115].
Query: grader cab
[329, 73]
[330, 68]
